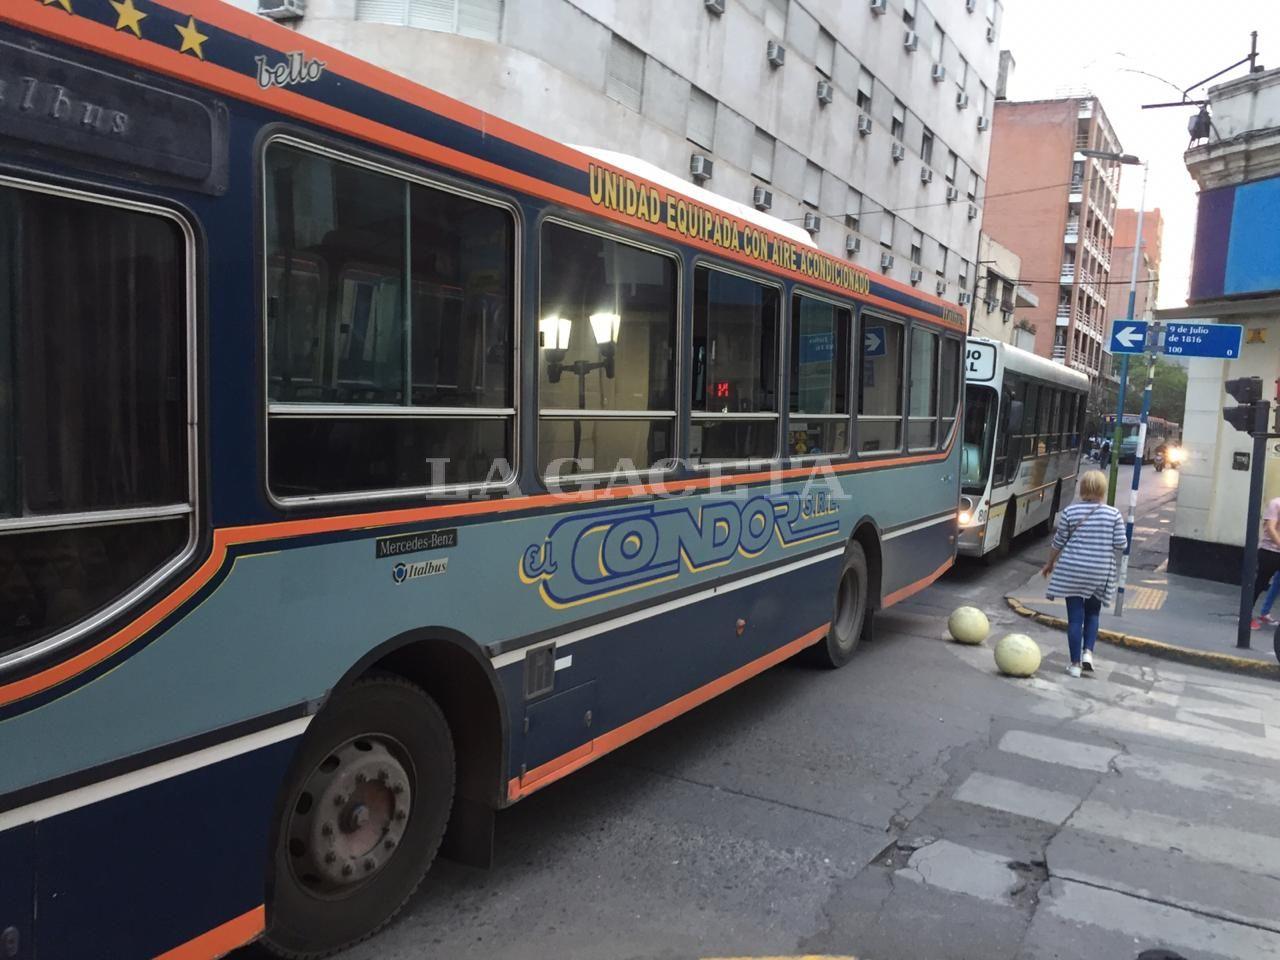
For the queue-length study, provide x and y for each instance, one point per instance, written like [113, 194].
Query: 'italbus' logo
[294, 70]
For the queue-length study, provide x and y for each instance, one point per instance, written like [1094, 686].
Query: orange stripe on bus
[281, 529]
[914, 588]
[55, 22]
[562, 766]
[222, 939]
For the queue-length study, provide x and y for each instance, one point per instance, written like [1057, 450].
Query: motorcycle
[1159, 460]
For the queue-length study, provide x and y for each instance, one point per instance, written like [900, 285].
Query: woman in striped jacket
[1082, 565]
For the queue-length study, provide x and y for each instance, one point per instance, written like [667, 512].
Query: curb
[1158, 648]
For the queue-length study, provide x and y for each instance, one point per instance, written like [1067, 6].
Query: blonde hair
[1093, 485]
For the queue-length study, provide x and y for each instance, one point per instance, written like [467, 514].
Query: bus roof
[1015, 359]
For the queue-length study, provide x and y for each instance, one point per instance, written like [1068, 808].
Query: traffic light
[1250, 416]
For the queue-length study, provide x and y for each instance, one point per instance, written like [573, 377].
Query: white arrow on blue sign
[1128, 336]
[873, 342]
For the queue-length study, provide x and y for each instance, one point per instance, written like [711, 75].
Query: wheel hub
[350, 816]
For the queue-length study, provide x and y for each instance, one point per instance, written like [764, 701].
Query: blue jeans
[1082, 624]
[1269, 600]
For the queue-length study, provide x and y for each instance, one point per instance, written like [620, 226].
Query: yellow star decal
[64, 4]
[128, 17]
[192, 39]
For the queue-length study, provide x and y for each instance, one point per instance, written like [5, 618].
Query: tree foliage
[1168, 390]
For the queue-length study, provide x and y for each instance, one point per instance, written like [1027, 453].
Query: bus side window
[1030, 412]
[1011, 429]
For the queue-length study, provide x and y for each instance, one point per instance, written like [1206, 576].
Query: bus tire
[1050, 523]
[1001, 549]
[849, 613]
[362, 815]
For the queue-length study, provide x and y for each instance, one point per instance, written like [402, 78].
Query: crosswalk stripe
[1252, 852]
[1151, 923]
[1184, 734]
[1036, 746]
[998, 793]
[1188, 776]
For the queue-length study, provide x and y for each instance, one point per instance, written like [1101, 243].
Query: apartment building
[1123, 251]
[1000, 307]
[866, 122]
[1056, 208]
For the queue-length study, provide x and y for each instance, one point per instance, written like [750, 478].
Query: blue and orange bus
[368, 463]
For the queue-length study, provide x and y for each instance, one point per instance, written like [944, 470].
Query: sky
[1105, 47]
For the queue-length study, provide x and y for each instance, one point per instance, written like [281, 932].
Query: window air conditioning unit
[761, 198]
[916, 275]
[939, 73]
[926, 175]
[962, 100]
[852, 244]
[700, 167]
[911, 40]
[991, 33]
[878, 7]
[990, 304]
[714, 6]
[776, 53]
[864, 124]
[886, 261]
[965, 299]
[971, 5]
[984, 123]
[898, 152]
[973, 211]
[953, 194]
[940, 287]
[282, 9]
[812, 222]
[826, 92]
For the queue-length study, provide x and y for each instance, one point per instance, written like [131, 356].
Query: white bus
[1023, 417]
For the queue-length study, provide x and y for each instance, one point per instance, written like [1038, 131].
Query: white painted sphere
[968, 625]
[1017, 655]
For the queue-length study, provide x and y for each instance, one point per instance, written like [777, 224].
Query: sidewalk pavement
[1179, 618]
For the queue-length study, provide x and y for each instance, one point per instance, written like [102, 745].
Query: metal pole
[1124, 365]
[1249, 566]
[1137, 472]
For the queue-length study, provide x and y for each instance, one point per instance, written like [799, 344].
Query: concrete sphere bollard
[968, 625]
[1017, 655]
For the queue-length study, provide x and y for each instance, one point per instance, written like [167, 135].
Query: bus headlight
[965, 516]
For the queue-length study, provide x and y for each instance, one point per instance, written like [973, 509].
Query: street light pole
[1118, 432]
[1152, 349]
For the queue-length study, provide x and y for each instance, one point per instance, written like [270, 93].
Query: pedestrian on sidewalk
[1104, 453]
[1082, 565]
[1268, 560]
[1264, 615]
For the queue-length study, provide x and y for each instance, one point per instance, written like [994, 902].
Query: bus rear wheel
[849, 614]
[361, 818]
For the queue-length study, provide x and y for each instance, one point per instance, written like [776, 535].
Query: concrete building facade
[1235, 279]
[866, 121]
[1057, 209]
[999, 309]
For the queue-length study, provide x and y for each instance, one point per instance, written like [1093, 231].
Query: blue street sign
[1221, 340]
[873, 342]
[1128, 336]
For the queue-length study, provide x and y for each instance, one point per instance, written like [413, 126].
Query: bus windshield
[979, 434]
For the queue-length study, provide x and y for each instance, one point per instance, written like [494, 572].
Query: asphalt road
[912, 805]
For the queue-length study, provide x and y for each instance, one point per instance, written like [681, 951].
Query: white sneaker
[1086, 661]
[1074, 670]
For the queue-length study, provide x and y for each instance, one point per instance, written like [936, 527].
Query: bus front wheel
[849, 613]
[361, 819]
